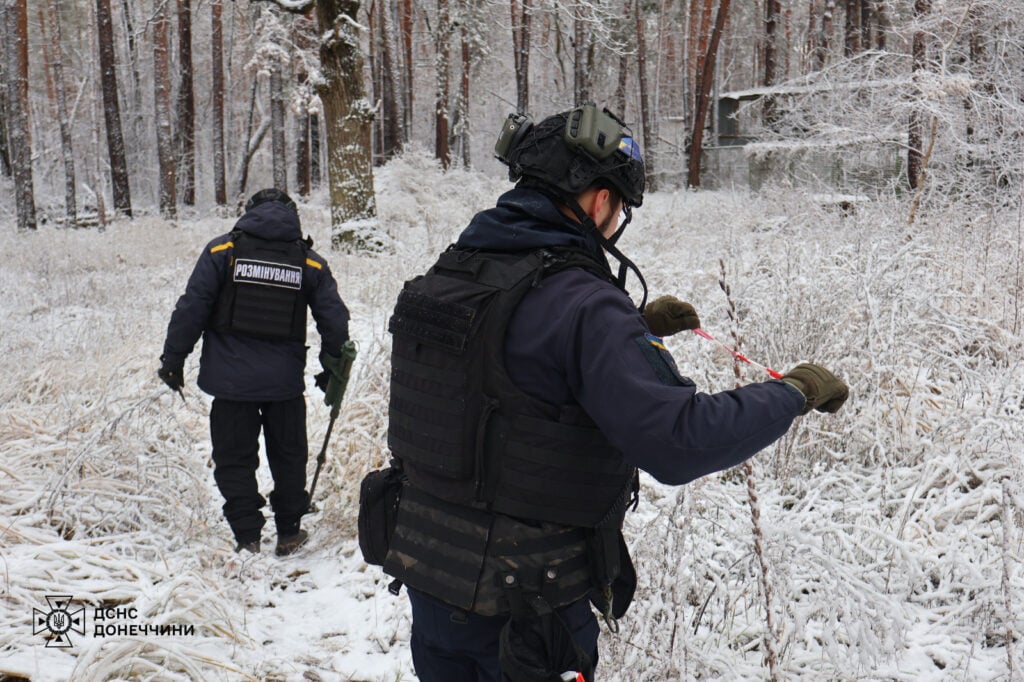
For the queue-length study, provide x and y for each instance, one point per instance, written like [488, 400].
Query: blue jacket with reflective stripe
[236, 367]
[579, 340]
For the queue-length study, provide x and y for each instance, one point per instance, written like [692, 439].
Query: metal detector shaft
[348, 352]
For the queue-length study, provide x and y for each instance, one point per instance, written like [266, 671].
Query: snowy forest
[833, 181]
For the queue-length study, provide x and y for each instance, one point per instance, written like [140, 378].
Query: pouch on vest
[379, 494]
[262, 296]
[535, 645]
[436, 422]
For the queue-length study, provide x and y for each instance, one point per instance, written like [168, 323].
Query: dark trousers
[235, 430]
[444, 650]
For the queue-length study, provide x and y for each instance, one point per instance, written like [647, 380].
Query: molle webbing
[263, 294]
[464, 431]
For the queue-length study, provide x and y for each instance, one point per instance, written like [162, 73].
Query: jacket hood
[524, 219]
[271, 220]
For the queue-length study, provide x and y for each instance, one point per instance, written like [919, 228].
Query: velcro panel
[432, 321]
[438, 547]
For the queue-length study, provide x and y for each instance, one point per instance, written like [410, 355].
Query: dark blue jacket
[237, 367]
[579, 340]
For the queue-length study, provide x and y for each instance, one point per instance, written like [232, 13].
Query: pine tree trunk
[703, 96]
[302, 154]
[349, 120]
[67, 146]
[391, 142]
[467, 64]
[442, 149]
[851, 28]
[773, 10]
[645, 109]
[521, 51]
[406, 21]
[162, 106]
[827, 26]
[220, 194]
[185, 118]
[581, 91]
[15, 21]
[112, 110]
[278, 144]
[919, 62]
[314, 149]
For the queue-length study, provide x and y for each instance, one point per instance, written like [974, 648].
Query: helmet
[573, 151]
[269, 194]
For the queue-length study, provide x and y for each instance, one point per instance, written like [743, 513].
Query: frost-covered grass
[893, 530]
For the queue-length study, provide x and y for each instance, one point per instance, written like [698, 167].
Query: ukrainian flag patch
[655, 341]
[660, 360]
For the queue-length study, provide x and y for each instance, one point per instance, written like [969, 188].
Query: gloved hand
[823, 390]
[667, 315]
[334, 379]
[172, 373]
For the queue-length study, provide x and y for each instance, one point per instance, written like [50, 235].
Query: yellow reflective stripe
[221, 247]
[313, 263]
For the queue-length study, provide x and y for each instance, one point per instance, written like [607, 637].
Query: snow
[893, 530]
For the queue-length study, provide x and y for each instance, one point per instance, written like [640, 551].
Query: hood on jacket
[525, 219]
[271, 220]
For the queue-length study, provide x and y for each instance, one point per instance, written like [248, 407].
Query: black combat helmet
[572, 151]
[269, 194]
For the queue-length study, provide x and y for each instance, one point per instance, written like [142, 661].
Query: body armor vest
[492, 472]
[263, 295]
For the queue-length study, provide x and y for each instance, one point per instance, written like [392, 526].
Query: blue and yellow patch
[654, 351]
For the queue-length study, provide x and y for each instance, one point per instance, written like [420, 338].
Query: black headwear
[269, 194]
[570, 152]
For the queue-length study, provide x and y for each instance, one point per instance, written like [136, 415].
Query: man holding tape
[527, 390]
[247, 297]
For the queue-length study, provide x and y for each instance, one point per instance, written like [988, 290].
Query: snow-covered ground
[892, 531]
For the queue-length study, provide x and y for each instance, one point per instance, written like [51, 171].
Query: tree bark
[827, 26]
[349, 120]
[391, 139]
[703, 96]
[581, 89]
[467, 64]
[521, 52]
[773, 10]
[162, 107]
[919, 62]
[442, 148]
[314, 149]
[184, 131]
[15, 20]
[645, 109]
[66, 143]
[112, 111]
[278, 144]
[220, 194]
[851, 28]
[302, 153]
[406, 21]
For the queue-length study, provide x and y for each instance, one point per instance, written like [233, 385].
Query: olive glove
[172, 373]
[334, 379]
[667, 315]
[823, 391]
